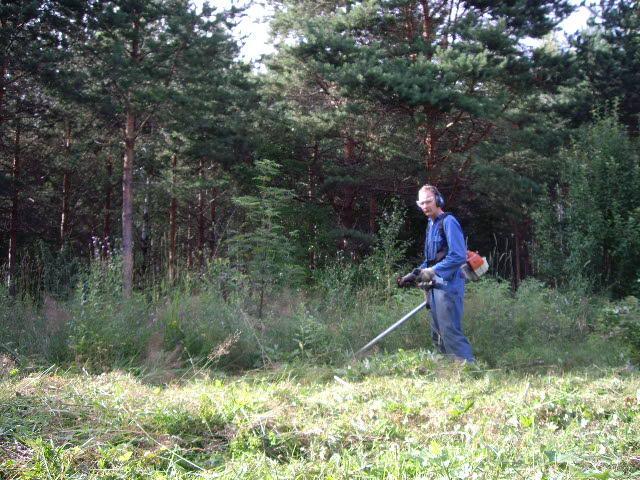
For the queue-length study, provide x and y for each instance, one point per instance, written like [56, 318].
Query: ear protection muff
[438, 197]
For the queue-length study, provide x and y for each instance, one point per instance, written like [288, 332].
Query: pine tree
[264, 248]
[607, 72]
[33, 41]
[450, 69]
[133, 57]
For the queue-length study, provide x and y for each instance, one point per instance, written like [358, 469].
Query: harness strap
[445, 249]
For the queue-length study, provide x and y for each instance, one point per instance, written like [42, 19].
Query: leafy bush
[589, 235]
[621, 320]
[388, 251]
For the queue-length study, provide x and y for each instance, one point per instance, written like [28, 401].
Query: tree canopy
[143, 111]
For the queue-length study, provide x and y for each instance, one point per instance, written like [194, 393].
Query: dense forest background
[154, 185]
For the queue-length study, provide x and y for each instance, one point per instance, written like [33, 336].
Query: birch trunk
[173, 228]
[13, 220]
[66, 185]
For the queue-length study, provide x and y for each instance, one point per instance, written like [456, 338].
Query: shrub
[594, 239]
[621, 320]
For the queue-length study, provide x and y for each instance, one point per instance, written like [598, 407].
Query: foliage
[264, 249]
[100, 317]
[388, 251]
[622, 320]
[607, 56]
[549, 247]
[598, 212]
[441, 74]
[535, 326]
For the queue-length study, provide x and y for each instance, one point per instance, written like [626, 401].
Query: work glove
[409, 279]
[426, 275]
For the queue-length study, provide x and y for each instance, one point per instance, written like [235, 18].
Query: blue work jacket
[451, 236]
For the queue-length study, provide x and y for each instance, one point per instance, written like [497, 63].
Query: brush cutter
[426, 287]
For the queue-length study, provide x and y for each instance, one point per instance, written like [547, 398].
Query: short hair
[429, 188]
[436, 194]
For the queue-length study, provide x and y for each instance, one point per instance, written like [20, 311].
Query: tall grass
[216, 323]
[216, 317]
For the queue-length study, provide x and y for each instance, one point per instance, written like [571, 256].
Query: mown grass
[400, 415]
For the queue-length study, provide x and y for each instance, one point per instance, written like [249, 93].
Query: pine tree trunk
[431, 143]
[373, 213]
[3, 72]
[314, 173]
[64, 220]
[517, 273]
[66, 184]
[189, 239]
[527, 268]
[212, 230]
[261, 303]
[200, 217]
[145, 236]
[106, 232]
[127, 178]
[348, 194]
[173, 228]
[409, 28]
[13, 220]
[427, 23]
[127, 204]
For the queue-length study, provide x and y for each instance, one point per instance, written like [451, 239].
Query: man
[444, 252]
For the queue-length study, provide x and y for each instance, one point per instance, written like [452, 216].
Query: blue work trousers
[446, 324]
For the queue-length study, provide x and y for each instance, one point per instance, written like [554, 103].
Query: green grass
[402, 415]
[535, 326]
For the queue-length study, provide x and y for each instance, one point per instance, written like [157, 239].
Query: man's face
[427, 203]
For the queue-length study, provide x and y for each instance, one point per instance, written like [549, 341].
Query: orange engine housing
[474, 260]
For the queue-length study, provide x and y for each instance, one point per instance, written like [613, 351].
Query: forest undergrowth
[213, 320]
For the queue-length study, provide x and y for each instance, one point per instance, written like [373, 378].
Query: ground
[403, 415]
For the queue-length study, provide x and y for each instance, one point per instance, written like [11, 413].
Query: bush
[589, 235]
[621, 320]
[536, 325]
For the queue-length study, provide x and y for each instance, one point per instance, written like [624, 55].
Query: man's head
[430, 201]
